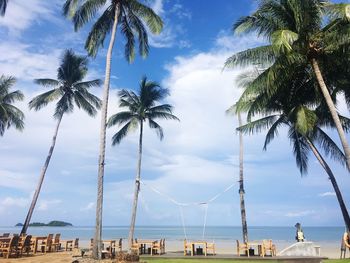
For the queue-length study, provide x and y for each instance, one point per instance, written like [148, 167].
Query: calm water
[316, 234]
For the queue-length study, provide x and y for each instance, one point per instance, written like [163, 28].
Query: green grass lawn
[169, 260]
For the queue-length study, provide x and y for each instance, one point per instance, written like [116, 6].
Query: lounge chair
[46, 245]
[9, 247]
[268, 246]
[242, 247]
[24, 245]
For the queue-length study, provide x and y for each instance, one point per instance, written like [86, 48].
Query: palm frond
[129, 50]
[300, 149]
[47, 82]
[88, 84]
[282, 40]
[3, 6]
[159, 130]
[120, 118]
[258, 125]
[153, 21]
[263, 55]
[42, 100]
[130, 126]
[84, 104]
[86, 12]
[339, 11]
[329, 147]
[99, 31]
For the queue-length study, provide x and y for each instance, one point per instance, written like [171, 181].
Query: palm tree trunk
[137, 190]
[41, 179]
[334, 183]
[332, 110]
[241, 185]
[97, 244]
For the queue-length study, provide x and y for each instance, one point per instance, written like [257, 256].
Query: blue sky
[198, 157]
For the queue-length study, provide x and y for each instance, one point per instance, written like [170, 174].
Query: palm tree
[69, 89]
[131, 15]
[141, 107]
[290, 109]
[232, 110]
[297, 36]
[3, 6]
[9, 114]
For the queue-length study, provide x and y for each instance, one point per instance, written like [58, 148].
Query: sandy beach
[328, 250]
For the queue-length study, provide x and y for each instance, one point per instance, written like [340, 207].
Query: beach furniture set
[17, 246]
[151, 247]
[198, 247]
[264, 247]
[109, 247]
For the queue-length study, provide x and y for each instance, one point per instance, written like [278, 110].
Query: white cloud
[19, 60]
[14, 202]
[301, 213]
[88, 207]
[327, 194]
[22, 14]
[48, 204]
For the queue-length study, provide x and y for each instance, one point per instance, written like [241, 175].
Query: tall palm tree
[3, 6]
[291, 109]
[142, 106]
[232, 110]
[131, 16]
[298, 36]
[70, 90]
[9, 114]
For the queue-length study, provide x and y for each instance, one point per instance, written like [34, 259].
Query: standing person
[299, 236]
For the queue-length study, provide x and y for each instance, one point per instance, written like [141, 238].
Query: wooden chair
[242, 247]
[188, 246]
[25, 245]
[135, 247]
[120, 245]
[268, 246]
[56, 243]
[76, 243]
[156, 247]
[162, 247]
[10, 247]
[211, 247]
[46, 245]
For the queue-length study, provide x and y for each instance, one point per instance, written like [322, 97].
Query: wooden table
[36, 240]
[145, 243]
[258, 245]
[198, 243]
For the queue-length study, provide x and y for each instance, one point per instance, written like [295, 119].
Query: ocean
[176, 233]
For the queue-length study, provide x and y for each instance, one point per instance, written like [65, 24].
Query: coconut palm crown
[131, 15]
[142, 106]
[9, 114]
[298, 36]
[68, 90]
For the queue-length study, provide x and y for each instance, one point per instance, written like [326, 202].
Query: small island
[52, 223]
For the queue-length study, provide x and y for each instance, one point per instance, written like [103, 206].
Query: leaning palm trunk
[137, 190]
[332, 110]
[241, 185]
[334, 183]
[41, 179]
[97, 245]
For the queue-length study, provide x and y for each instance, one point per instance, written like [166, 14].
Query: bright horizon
[198, 157]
